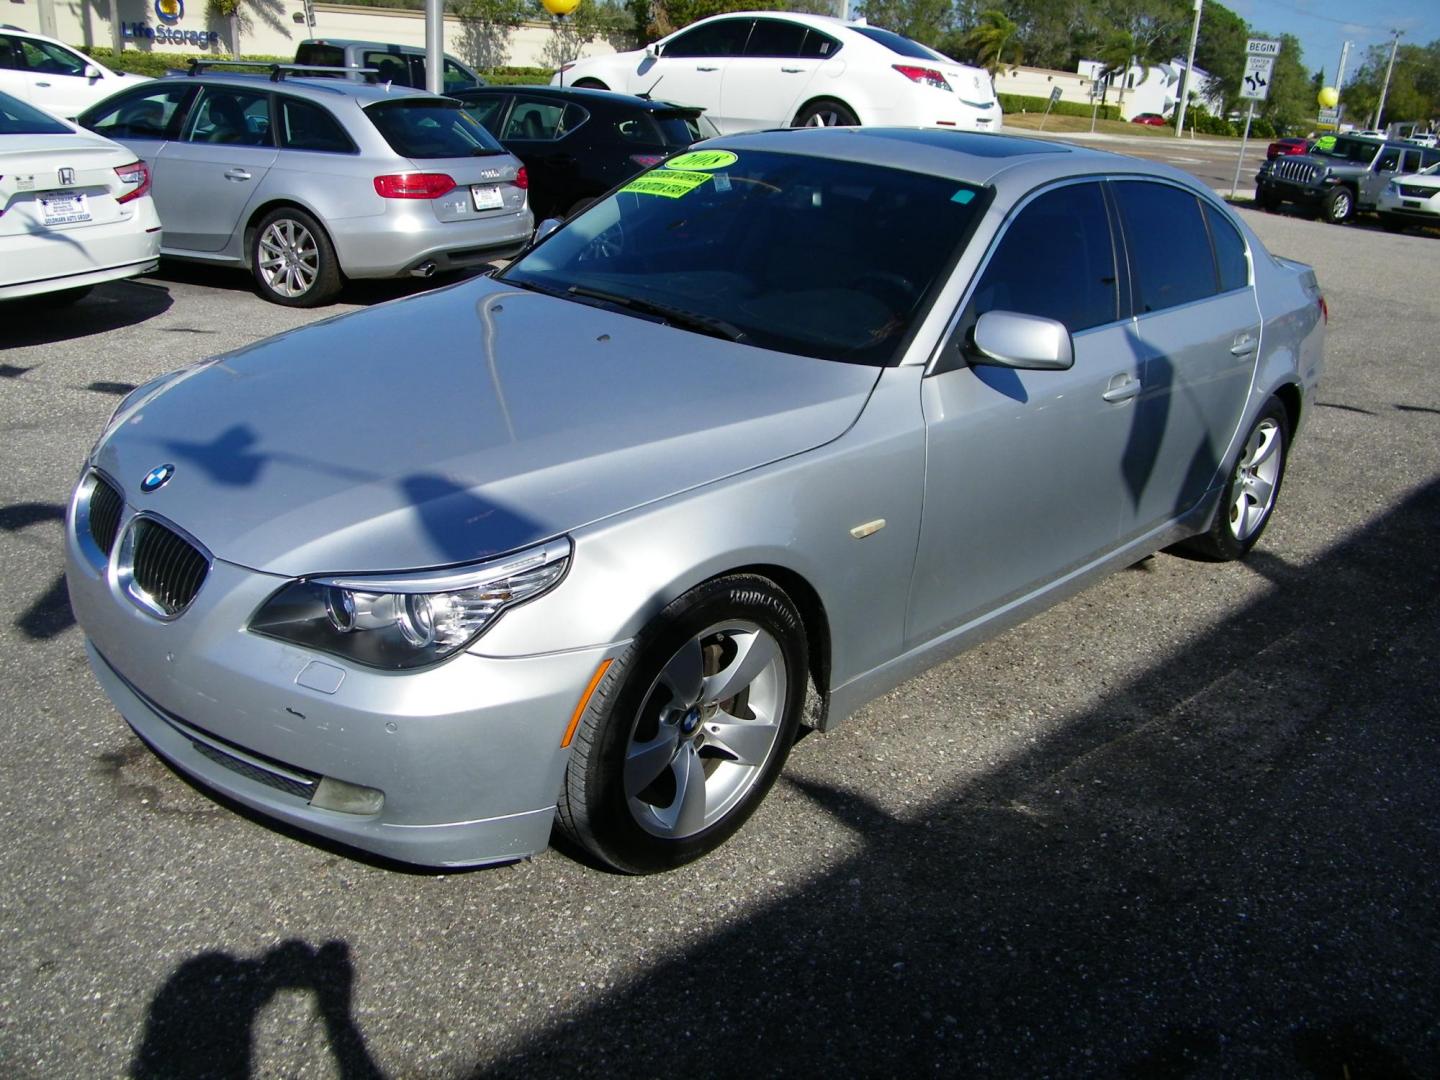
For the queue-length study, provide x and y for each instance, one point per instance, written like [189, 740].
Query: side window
[1411, 162]
[1229, 250]
[145, 114]
[390, 67]
[725, 37]
[1170, 254]
[488, 110]
[542, 121]
[456, 77]
[44, 58]
[1387, 161]
[306, 126]
[1056, 260]
[227, 114]
[818, 46]
[771, 37]
[10, 57]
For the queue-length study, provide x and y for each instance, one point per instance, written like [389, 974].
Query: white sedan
[764, 69]
[1411, 200]
[75, 208]
[52, 75]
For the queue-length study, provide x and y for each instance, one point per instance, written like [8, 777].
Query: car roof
[968, 157]
[578, 93]
[320, 89]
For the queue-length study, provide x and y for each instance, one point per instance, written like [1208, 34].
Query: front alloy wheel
[689, 729]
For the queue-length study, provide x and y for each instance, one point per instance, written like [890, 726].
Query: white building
[1155, 89]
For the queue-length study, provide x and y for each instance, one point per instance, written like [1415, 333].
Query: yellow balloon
[560, 7]
[1329, 97]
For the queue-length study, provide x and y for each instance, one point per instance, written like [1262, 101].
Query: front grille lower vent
[105, 507]
[302, 786]
[166, 567]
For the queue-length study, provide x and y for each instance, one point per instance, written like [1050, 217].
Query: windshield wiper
[678, 317]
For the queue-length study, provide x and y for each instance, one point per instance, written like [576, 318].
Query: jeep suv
[1341, 175]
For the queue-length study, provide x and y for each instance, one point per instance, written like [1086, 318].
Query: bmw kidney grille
[105, 507]
[159, 569]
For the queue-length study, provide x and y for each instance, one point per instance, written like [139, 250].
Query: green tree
[592, 19]
[1220, 52]
[990, 41]
[923, 20]
[1290, 102]
[486, 27]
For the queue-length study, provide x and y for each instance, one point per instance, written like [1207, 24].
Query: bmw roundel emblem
[157, 478]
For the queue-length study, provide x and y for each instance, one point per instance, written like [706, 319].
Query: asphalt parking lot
[1185, 824]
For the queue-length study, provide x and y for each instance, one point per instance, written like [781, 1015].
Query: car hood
[456, 425]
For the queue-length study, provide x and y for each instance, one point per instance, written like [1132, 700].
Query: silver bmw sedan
[764, 432]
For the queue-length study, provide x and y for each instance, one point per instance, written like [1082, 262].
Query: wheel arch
[1290, 396]
[815, 99]
[813, 617]
[589, 82]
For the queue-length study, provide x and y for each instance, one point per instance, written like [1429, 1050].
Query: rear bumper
[394, 244]
[38, 263]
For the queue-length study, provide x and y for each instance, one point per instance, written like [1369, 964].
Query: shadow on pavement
[1226, 867]
[110, 306]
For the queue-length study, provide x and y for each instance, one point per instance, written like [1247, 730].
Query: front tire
[1249, 497]
[1392, 223]
[293, 260]
[1338, 206]
[1267, 200]
[825, 113]
[689, 729]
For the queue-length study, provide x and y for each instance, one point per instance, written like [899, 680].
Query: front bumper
[1423, 211]
[467, 753]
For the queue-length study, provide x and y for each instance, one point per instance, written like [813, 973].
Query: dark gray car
[796, 414]
[1341, 176]
[309, 181]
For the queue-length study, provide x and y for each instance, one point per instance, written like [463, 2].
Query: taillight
[136, 173]
[414, 185]
[645, 161]
[522, 179]
[928, 76]
[1324, 311]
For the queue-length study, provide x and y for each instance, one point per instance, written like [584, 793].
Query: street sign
[1054, 94]
[1329, 116]
[1261, 47]
[1255, 83]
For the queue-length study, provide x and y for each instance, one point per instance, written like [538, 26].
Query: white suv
[758, 69]
[53, 76]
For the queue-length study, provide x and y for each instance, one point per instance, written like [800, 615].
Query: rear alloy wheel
[689, 729]
[293, 261]
[1254, 485]
[1338, 206]
[825, 113]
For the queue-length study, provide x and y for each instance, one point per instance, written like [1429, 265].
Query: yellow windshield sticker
[702, 159]
[669, 185]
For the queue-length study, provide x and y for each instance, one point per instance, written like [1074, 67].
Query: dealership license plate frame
[487, 196]
[64, 208]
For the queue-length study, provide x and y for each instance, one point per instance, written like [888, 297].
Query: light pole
[1380, 109]
[1185, 75]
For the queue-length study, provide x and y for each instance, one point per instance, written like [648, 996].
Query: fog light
[332, 794]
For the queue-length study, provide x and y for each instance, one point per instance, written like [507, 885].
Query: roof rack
[280, 71]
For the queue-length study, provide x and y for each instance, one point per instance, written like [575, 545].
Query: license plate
[64, 208]
[1410, 204]
[487, 196]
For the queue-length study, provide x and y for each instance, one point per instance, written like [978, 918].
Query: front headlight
[408, 620]
[1392, 188]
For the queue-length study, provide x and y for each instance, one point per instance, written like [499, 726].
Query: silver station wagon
[794, 415]
[308, 181]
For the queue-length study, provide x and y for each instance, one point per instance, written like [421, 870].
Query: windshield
[431, 128]
[800, 254]
[18, 118]
[1359, 150]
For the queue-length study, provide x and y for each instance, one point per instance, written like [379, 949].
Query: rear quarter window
[1230, 257]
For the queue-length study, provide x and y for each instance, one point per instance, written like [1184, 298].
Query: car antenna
[647, 93]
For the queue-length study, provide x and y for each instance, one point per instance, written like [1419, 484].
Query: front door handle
[792, 71]
[703, 68]
[237, 174]
[1122, 388]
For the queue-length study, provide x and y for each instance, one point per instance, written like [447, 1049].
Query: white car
[762, 69]
[75, 209]
[1411, 200]
[52, 75]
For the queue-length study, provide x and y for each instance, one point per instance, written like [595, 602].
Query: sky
[1323, 26]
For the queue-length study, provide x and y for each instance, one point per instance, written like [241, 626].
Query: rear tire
[825, 113]
[1338, 206]
[293, 261]
[1250, 496]
[689, 728]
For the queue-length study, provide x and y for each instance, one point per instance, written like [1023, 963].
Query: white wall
[270, 29]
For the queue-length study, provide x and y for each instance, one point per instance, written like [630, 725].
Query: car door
[1384, 168]
[538, 130]
[54, 77]
[1200, 337]
[205, 178]
[690, 69]
[1024, 469]
[766, 86]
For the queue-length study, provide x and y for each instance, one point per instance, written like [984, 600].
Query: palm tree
[988, 40]
[1116, 58]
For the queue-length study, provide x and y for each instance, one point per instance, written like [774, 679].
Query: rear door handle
[703, 68]
[237, 174]
[1243, 346]
[1122, 388]
[792, 71]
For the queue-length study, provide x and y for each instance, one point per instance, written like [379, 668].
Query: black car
[577, 144]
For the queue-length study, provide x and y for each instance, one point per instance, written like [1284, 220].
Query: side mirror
[546, 227]
[652, 50]
[92, 72]
[1029, 342]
